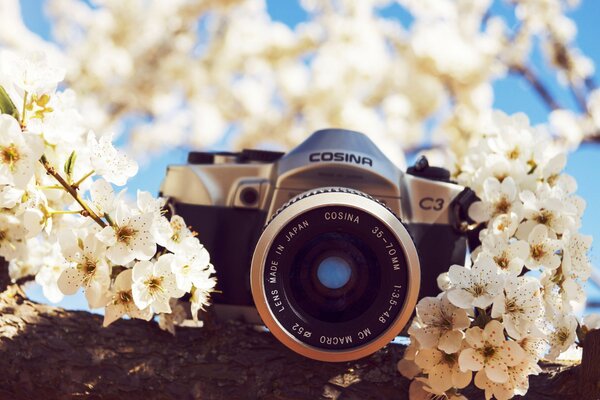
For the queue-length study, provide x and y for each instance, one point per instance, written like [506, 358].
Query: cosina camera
[329, 245]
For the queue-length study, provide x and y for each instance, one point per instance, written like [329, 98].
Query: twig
[537, 85]
[72, 191]
[579, 98]
[80, 181]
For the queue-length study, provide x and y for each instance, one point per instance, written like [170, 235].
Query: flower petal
[538, 234]
[112, 312]
[494, 333]
[461, 298]
[123, 280]
[408, 368]
[470, 360]
[438, 378]
[496, 372]
[145, 314]
[161, 306]
[451, 341]
[142, 269]
[107, 236]
[460, 319]
[513, 354]
[461, 379]
[474, 337]
[97, 294]
[70, 280]
[428, 358]
[427, 336]
[479, 211]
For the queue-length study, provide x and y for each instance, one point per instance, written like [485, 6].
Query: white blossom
[154, 284]
[548, 211]
[201, 291]
[111, 164]
[130, 238]
[535, 347]
[12, 236]
[517, 383]
[90, 270]
[61, 220]
[519, 306]
[103, 197]
[443, 371]
[441, 324]
[505, 225]
[190, 267]
[575, 263]
[491, 352]
[121, 301]
[476, 286]
[34, 257]
[33, 74]
[542, 249]
[59, 122]
[554, 177]
[509, 257]
[499, 198]
[562, 336]
[179, 238]
[19, 153]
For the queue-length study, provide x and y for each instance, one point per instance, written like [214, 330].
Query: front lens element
[335, 275]
[333, 272]
[335, 251]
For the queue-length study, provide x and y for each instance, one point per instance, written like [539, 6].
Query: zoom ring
[331, 189]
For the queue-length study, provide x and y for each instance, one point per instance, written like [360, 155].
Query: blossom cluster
[515, 302]
[61, 219]
[203, 70]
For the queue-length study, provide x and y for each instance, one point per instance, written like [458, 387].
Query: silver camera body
[239, 203]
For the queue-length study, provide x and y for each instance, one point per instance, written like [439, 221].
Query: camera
[329, 245]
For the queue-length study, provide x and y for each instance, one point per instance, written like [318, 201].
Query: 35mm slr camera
[329, 245]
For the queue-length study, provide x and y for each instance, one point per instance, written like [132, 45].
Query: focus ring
[329, 189]
[335, 189]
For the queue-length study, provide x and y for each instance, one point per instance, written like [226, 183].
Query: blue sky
[512, 95]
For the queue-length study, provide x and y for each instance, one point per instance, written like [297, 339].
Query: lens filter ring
[304, 303]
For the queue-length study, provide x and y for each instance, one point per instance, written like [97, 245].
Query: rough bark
[4, 278]
[50, 353]
[589, 377]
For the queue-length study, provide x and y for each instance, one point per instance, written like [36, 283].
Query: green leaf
[70, 163]
[6, 104]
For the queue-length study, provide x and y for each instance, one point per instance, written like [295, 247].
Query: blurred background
[414, 75]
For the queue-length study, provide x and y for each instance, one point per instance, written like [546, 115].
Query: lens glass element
[336, 299]
[334, 272]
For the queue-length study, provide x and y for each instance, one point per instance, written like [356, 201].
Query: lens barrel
[335, 275]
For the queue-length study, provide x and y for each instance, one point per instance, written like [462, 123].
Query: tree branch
[51, 353]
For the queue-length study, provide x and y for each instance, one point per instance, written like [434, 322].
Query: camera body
[229, 198]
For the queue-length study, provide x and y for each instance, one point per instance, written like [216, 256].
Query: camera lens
[335, 275]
